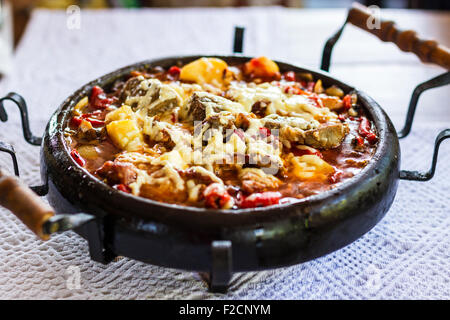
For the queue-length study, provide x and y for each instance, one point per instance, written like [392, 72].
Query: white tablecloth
[406, 256]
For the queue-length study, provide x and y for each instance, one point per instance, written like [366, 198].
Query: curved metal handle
[425, 176]
[22, 105]
[428, 51]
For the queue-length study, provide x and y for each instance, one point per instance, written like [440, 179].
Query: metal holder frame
[436, 82]
[22, 105]
[4, 147]
[99, 231]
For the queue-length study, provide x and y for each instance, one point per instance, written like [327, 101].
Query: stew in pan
[213, 135]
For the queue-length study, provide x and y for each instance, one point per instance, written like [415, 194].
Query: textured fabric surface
[406, 256]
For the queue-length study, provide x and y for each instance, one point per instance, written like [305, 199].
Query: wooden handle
[24, 203]
[408, 41]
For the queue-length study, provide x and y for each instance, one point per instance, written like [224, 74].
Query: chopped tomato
[98, 99]
[216, 196]
[365, 130]
[293, 90]
[95, 113]
[289, 76]
[316, 99]
[122, 187]
[96, 122]
[78, 159]
[262, 199]
[174, 71]
[347, 101]
[359, 141]
[76, 121]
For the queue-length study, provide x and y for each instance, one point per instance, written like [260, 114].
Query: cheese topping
[213, 135]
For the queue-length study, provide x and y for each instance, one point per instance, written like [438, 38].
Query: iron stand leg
[221, 267]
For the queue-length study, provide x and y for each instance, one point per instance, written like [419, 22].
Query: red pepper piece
[264, 132]
[317, 100]
[96, 122]
[122, 187]
[262, 199]
[216, 196]
[95, 113]
[289, 76]
[365, 130]
[293, 90]
[78, 159]
[341, 117]
[76, 121]
[347, 101]
[98, 99]
[359, 141]
[174, 71]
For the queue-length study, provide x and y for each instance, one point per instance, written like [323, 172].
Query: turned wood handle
[408, 41]
[24, 203]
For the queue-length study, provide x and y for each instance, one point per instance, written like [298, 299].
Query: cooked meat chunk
[199, 102]
[131, 88]
[326, 136]
[255, 180]
[298, 130]
[259, 108]
[203, 104]
[151, 96]
[117, 172]
[163, 192]
[201, 175]
[275, 121]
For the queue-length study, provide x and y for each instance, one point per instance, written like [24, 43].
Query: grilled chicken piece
[275, 121]
[150, 95]
[203, 104]
[131, 88]
[327, 136]
[321, 136]
[117, 172]
[197, 104]
[255, 180]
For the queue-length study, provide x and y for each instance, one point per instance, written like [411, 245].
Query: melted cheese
[157, 97]
[278, 102]
[212, 143]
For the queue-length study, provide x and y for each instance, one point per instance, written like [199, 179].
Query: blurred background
[22, 8]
